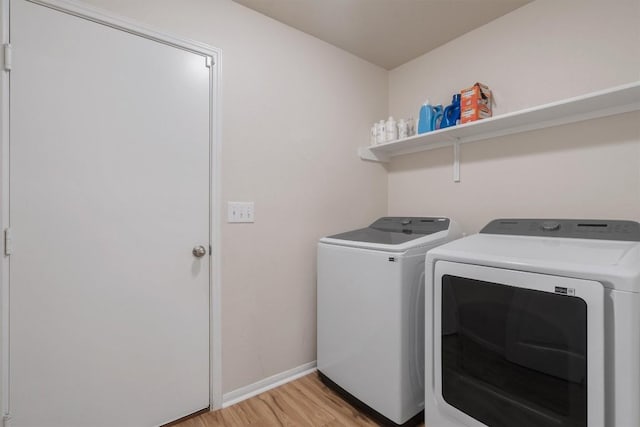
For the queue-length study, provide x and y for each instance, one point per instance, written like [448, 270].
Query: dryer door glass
[513, 356]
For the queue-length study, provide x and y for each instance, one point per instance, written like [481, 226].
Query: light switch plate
[240, 212]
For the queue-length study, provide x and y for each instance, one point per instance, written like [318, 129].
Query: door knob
[199, 251]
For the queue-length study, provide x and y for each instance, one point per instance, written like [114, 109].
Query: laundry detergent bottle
[429, 116]
[451, 114]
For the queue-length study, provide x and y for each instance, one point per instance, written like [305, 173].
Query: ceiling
[385, 32]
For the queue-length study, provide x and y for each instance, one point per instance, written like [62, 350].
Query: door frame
[215, 197]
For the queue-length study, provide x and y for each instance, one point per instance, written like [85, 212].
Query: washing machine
[371, 312]
[535, 323]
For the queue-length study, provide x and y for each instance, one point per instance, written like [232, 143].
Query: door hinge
[7, 57]
[209, 62]
[8, 242]
[6, 420]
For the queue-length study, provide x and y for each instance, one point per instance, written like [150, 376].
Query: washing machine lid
[394, 233]
[607, 251]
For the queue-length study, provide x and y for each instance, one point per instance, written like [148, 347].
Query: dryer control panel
[606, 229]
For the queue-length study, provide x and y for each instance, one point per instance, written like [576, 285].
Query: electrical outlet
[240, 212]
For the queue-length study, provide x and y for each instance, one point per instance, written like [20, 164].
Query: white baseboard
[261, 386]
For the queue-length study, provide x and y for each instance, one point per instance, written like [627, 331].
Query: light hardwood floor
[303, 402]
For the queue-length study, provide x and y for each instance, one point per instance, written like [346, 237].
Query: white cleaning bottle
[391, 129]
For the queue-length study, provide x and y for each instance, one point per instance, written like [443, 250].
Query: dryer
[535, 323]
[371, 311]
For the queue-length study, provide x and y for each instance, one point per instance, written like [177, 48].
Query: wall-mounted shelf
[616, 100]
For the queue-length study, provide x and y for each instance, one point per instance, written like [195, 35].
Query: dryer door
[517, 348]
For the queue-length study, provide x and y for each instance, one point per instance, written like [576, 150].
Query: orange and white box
[472, 114]
[475, 103]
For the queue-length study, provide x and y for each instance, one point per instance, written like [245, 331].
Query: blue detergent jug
[451, 114]
[429, 116]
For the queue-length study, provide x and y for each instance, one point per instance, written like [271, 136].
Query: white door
[109, 194]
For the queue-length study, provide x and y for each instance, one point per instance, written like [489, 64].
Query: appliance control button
[406, 221]
[550, 225]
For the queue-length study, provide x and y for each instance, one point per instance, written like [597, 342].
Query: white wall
[545, 51]
[294, 110]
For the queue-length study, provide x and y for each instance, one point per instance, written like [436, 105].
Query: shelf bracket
[366, 154]
[456, 161]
